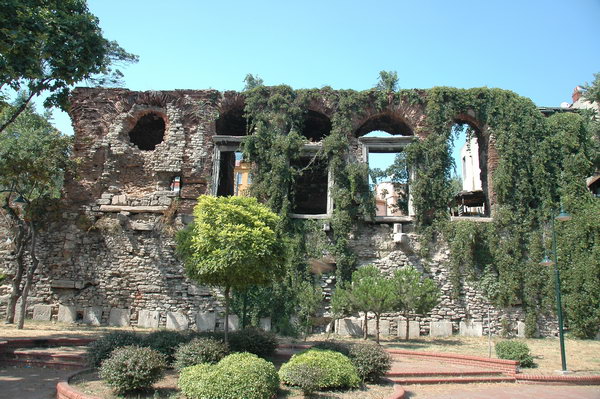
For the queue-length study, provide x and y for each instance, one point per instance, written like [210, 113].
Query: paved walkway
[502, 391]
[30, 382]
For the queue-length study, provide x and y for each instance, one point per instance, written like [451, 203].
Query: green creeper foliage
[337, 370]
[240, 375]
[414, 293]
[132, 368]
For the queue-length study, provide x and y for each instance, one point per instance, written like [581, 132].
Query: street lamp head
[546, 261]
[563, 216]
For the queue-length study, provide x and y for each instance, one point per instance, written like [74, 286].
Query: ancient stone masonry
[143, 159]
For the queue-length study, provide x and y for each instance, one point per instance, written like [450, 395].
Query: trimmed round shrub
[253, 340]
[198, 351]
[337, 371]
[371, 361]
[239, 375]
[166, 342]
[336, 346]
[132, 368]
[515, 350]
[101, 348]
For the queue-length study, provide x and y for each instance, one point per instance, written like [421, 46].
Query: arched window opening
[148, 132]
[470, 187]
[232, 123]
[386, 123]
[316, 126]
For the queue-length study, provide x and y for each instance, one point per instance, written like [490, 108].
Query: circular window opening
[148, 132]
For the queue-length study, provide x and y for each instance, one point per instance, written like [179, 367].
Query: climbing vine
[542, 162]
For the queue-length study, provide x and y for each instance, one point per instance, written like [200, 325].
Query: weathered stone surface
[92, 315]
[471, 328]
[67, 314]
[118, 317]
[520, 329]
[206, 321]
[265, 323]
[233, 322]
[62, 284]
[148, 318]
[42, 312]
[177, 321]
[350, 327]
[132, 209]
[414, 331]
[384, 327]
[141, 226]
[440, 329]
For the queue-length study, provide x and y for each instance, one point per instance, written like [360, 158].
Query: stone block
[206, 321]
[471, 328]
[67, 314]
[350, 326]
[520, 329]
[118, 317]
[440, 329]
[265, 323]
[148, 318]
[142, 226]
[384, 327]
[177, 321]
[92, 316]
[414, 331]
[233, 322]
[42, 312]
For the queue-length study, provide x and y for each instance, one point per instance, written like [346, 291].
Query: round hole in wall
[148, 131]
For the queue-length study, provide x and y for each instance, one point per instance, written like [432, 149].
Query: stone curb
[66, 391]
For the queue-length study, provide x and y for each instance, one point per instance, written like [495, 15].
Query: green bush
[199, 350]
[307, 377]
[240, 375]
[131, 368]
[101, 348]
[337, 370]
[166, 342]
[253, 340]
[336, 346]
[371, 361]
[515, 350]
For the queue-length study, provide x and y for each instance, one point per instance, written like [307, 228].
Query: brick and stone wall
[109, 258]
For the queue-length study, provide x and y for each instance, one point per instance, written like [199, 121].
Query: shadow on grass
[416, 344]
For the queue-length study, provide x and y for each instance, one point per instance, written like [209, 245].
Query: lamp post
[562, 216]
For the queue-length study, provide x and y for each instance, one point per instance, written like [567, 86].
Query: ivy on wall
[542, 162]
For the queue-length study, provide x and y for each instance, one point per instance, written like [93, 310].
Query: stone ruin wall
[110, 257]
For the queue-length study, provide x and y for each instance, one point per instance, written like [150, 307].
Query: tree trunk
[244, 310]
[365, 332]
[406, 314]
[226, 315]
[29, 279]
[21, 239]
[377, 327]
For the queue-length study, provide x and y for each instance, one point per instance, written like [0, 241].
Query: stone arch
[232, 123]
[316, 125]
[386, 122]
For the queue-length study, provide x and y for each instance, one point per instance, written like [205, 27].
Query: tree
[33, 160]
[370, 291]
[414, 293]
[388, 81]
[51, 45]
[233, 243]
[251, 81]
[309, 301]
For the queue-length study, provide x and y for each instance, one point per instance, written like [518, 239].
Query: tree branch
[17, 112]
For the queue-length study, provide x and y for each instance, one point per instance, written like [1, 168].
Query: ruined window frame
[222, 144]
[309, 151]
[389, 144]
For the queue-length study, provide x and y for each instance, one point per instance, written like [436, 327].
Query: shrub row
[167, 342]
[370, 360]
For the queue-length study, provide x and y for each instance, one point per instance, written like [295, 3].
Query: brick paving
[502, 391]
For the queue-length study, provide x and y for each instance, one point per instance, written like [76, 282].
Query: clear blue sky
[539, 49]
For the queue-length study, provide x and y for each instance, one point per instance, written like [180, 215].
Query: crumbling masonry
[144, 159]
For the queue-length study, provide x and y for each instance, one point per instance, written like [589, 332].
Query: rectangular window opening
[311, 187]
[388, 179]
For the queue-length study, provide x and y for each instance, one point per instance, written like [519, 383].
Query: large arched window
[148, 132]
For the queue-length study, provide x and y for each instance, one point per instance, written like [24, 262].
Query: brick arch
[316, 125]
[136, 134]
[388, 122]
